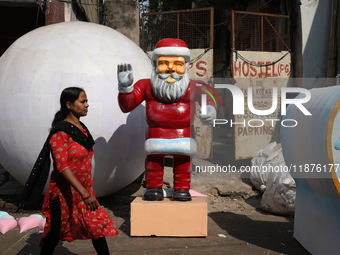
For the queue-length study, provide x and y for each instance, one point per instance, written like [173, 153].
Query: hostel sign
[260, 69]
[259, 73]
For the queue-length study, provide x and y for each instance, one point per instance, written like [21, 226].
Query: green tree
[161, 6]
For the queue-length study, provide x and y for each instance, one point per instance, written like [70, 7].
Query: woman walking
[70, 206]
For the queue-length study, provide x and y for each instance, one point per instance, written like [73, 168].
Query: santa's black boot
[181, 195]
[153, 194]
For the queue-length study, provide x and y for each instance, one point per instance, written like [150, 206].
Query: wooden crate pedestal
[169, 218]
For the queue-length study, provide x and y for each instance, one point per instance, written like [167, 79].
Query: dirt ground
[247, 203]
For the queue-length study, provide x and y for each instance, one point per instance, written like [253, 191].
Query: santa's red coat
[165, 121]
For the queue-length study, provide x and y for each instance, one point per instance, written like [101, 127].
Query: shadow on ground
[32, 246]
[270, 235]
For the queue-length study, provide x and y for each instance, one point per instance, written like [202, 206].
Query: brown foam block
[169, 218]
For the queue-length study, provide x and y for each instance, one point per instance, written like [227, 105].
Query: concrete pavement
[248, 232]
[228, 233]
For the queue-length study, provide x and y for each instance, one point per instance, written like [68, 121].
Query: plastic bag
[270, 175]
[280, 193]
[270, 155]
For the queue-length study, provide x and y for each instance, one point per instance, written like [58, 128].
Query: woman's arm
[89, 200]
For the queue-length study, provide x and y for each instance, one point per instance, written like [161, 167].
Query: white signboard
[262, 71]
[202, 68]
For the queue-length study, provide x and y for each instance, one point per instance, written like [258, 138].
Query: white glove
[125, 77]
[209, 117]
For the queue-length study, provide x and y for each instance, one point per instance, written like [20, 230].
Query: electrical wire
[238, 55]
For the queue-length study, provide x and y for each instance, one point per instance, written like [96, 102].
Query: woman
[70, 206]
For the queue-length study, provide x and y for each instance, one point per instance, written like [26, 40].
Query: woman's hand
[89, 200]
[91, 203]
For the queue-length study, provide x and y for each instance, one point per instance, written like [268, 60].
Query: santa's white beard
[166, 92]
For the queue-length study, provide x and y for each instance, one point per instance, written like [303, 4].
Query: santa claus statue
[170, 99]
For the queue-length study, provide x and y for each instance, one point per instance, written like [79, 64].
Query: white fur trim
[171, 51]
[125, 90]
[179, 146]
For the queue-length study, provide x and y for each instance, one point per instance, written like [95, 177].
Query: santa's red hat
[171, 47]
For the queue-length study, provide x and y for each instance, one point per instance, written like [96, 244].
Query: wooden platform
[169, 218]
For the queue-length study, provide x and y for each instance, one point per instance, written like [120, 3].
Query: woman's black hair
[69, 94]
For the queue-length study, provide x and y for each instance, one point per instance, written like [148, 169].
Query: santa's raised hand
[208, 117]
[125, 76]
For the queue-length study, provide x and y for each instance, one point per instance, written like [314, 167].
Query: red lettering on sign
[262, 73]
[268, 69]
[260, 69]
[245, 69]
[201, 66]
[273, 69]
[288, 69]
[253, 69]
[237, 68]
[281, 67]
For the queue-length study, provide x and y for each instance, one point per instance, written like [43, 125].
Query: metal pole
[55, 12]
[262, 34]
[233, 30]
[143, 33]
[211, 27]
[178, 26]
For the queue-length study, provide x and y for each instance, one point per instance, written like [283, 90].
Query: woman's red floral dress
[77, 222]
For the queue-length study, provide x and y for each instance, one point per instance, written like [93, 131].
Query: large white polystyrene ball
[34, 71]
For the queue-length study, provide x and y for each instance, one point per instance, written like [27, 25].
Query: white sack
[270, 175]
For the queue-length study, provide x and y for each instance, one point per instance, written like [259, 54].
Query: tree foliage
[161, 6]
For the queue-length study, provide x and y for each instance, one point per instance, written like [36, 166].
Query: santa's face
[169, 65]
[170, 79]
